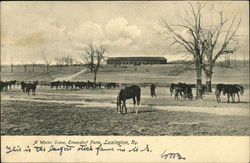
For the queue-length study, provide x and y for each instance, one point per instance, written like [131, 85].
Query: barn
[136, 60]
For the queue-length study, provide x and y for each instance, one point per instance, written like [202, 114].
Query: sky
[33, 30]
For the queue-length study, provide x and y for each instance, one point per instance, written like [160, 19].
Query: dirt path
[212, 110]
[71, 77]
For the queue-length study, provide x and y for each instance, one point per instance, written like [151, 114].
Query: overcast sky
[30, 30]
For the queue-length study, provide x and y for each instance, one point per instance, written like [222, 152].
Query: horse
[4, 85]
[31, 86]
[134, 92]
[171, 89]
[182, 89]
[111, 85]
[69, 84]
[218, 89]
[12, 82]
[152, 90]
[231, 89]
[238, 88]
[98, 85]
[90, 84]
[23, 86]
[55, 84]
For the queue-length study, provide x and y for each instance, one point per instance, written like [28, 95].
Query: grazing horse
[230, 90]
[152, 90]
[182, 89]
[134, 92]
[31, 86]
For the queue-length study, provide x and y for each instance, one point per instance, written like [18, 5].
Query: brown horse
[134, 92]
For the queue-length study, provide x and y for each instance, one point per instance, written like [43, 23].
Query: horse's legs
[228, 96]
[134, 104]
[238, 97]
[124, 104]
[232, 97]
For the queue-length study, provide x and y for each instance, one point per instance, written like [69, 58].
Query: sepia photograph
[125, 68]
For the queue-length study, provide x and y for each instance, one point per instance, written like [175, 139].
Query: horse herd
[185, 90]
[82, 84]
[31, 86]
[180, 89]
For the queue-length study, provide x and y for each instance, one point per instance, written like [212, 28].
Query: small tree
[68, 60]
[33, 66]
[93, 58]
[47, 62]
[11, 67]
[25, 66]
[59, 61]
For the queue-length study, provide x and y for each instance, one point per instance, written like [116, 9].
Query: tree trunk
[209, 82]
[11, 68]
[25, 68]
[47, 67]
[95, 73]
[33, 68]
[198, 79]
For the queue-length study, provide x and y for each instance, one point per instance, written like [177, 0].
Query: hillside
[130, 74]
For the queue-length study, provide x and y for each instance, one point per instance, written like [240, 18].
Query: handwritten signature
[166, 155]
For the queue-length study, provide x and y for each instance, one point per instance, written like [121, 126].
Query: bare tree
[33, 63]
[93, 57]
[219, 39]
[47, 62]
[25, 66]
[59, 61]
[11, 67]
[194, 43]
[206, 41]
[68, 60]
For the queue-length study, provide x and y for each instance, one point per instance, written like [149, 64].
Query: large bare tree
[205, 40]
[192, 42]
[219, 39]
[93, 57]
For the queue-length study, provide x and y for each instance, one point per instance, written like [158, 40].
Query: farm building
[137, 60]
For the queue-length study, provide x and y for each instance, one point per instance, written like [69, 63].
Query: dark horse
[152, 90]
[134, 92]
[229, 90]
[31, 86]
